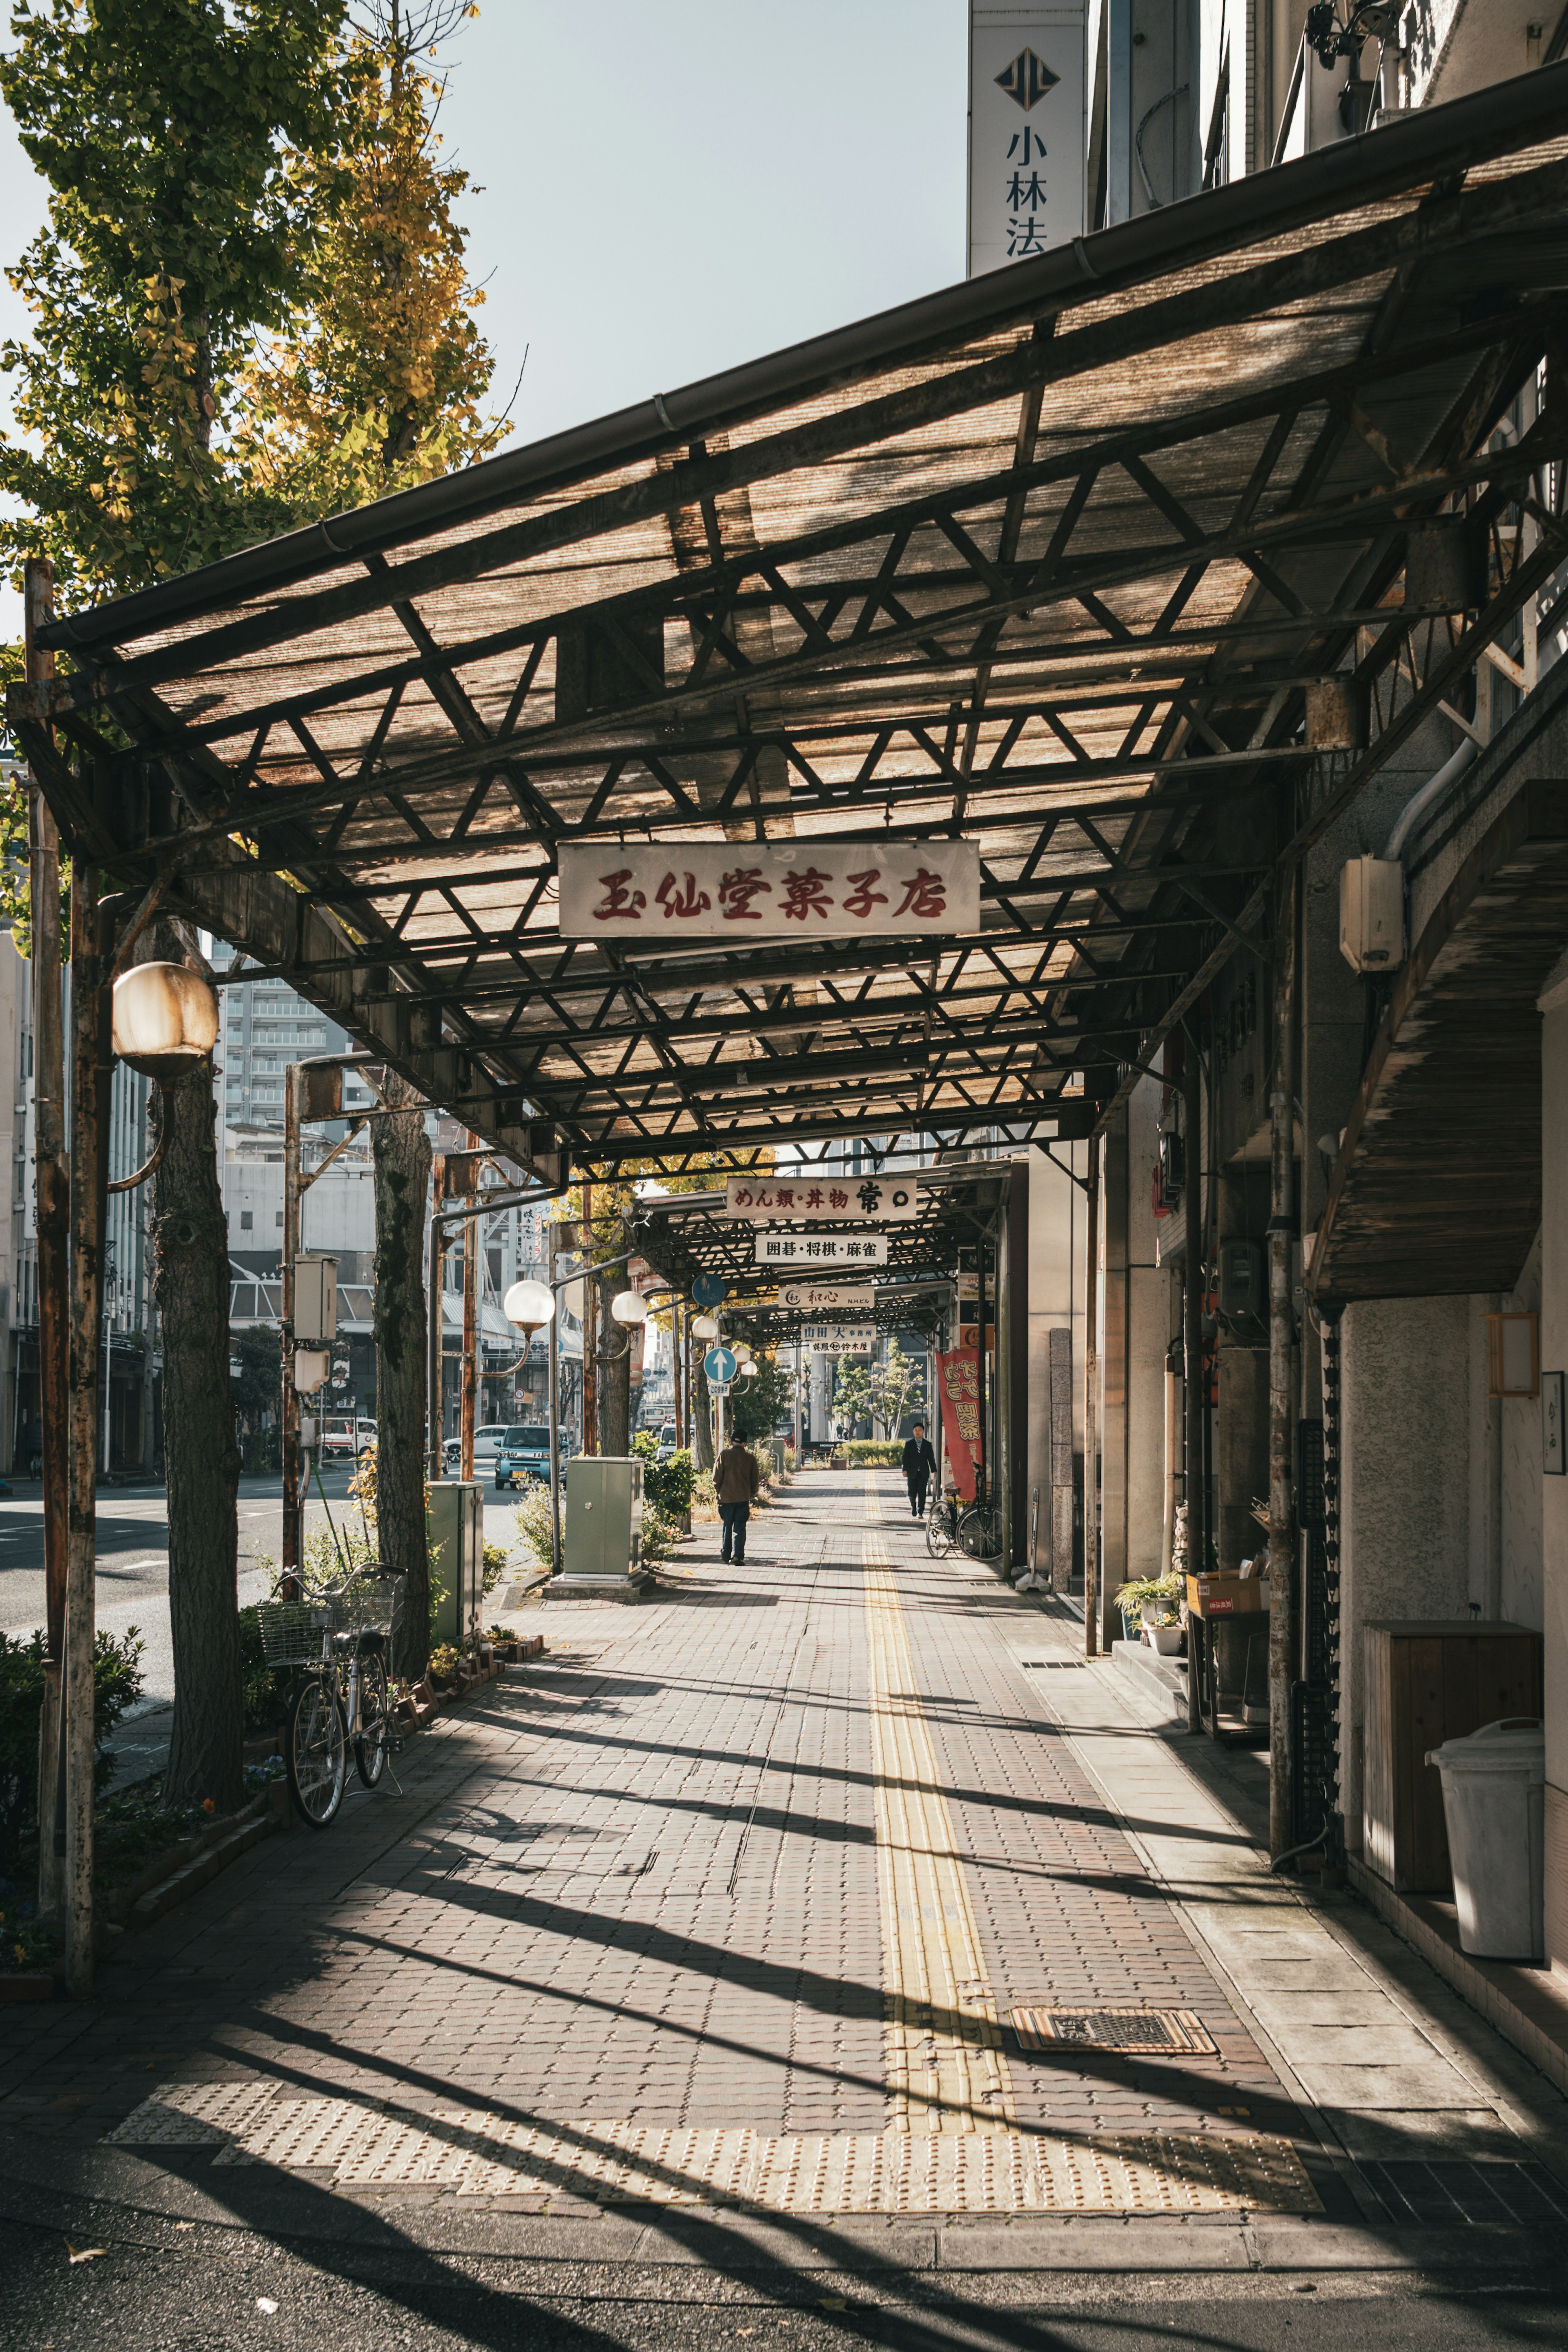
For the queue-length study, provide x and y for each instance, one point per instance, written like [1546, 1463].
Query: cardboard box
[1228, 1596]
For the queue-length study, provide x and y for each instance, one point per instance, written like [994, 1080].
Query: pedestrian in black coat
[919, 1466]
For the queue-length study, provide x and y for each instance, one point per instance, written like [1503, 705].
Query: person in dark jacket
[736, 1479]
[919, 1467]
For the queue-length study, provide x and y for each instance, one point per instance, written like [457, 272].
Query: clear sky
[661, 191]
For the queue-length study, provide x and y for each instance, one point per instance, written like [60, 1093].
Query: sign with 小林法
[822, 1249]
[818, 1297]
[768, 890]
[839, 1200]
[1026, 130]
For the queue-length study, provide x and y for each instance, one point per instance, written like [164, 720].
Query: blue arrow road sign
[719, 1365]
[710, 1290]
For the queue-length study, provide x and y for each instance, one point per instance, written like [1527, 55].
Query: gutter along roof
[1044, 561]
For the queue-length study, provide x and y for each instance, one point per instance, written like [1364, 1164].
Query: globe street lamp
[704, 1326]
[529, 1305]
[629, 1307]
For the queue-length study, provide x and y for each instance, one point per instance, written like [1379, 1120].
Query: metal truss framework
[1057, 582]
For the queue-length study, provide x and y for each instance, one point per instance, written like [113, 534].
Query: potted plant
[1148, 1607]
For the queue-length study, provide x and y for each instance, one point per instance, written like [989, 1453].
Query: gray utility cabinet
[457, 1519]
[604, 1535]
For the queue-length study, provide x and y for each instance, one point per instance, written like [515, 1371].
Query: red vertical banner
[960, 1373]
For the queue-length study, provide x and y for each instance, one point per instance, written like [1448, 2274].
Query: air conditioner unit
[1372, 913]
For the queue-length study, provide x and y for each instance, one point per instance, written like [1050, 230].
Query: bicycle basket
[292, 1631]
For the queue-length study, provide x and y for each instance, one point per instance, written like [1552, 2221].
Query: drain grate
[1155, 2030]
[1059, 1664]
[1454, 2190]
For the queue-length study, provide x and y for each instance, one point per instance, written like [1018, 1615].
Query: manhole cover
[1109, 2029]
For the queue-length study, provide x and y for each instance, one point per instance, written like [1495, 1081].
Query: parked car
[525, 1456]
[346, 1436]
[486, 1445]
[667, 1445]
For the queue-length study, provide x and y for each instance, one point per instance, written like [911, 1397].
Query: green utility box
[603, 1533]
[455, 1517]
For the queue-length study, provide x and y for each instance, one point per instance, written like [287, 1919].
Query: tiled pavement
[730, 1898]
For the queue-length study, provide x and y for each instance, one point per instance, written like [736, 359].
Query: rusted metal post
[1092, 1409]
[288, 1402]
[435, 1336]
[590, 1330]
[1281, 1334]
[52, 1225]
[553, 1235]
[89, 1186]
[469, 1369]
[1192, 1363]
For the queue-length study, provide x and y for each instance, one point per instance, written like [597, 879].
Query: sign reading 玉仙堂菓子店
[1026, 131]
[822, 1249]
[845, 1200]
[768, 890]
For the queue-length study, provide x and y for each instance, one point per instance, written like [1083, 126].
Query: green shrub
[116, 1685]
[264, 1689]
[533, 1523]
[497, 1559]
[666, 1485]
[871, 1452]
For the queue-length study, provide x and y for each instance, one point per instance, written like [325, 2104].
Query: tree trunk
[403, 1182]
[614, 1380]
[191, 1285]
[702, 1417]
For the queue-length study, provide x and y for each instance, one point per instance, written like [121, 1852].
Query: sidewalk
[727, 1911]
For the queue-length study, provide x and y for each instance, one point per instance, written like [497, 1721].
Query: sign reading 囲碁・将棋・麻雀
[655, 891]
[1026, 131]
[822, 1249]
[826, 1200]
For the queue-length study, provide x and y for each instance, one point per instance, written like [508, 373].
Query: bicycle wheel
[316, 1750]
[980, 1532]
[939, 1530]
[372, 1743]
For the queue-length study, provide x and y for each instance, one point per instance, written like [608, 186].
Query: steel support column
[1281, 1336]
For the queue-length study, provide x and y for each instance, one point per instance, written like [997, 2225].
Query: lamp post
[163, 1020]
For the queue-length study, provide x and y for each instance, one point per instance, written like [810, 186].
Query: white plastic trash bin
[1494, 1801]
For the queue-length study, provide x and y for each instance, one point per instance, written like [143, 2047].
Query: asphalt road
[132, 1585]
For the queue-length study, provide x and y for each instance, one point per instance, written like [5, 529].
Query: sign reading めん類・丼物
[826, 1200]
[768, 890]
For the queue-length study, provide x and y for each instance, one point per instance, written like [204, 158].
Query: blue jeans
[734, 1515]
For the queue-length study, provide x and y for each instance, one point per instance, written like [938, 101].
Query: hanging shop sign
[817, 1298]
[847, 1200]
[822, 1249]
[839, 1338]
[959, 1377]
[768, 890]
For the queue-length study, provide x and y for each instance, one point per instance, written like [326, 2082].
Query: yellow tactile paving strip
[951, 2144]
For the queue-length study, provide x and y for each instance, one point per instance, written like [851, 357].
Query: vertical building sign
[1027, 108]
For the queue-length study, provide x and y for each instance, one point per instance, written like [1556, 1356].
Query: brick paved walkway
[731, 1896]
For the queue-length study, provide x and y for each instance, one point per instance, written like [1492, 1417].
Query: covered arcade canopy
[1051, 562]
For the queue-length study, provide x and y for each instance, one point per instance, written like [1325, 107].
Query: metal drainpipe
[553, 1232]
[1090, 1408]
[1192, 1359]
[1282, 1648]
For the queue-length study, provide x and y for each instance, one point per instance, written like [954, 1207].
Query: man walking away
[919, 1466]
[736, 1479]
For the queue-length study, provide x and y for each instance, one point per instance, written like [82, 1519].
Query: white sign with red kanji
[824, 1200]
[822, 1249]
[768, 890]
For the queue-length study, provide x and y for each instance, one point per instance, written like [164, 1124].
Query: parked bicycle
[974, 1529]
[340, 1638]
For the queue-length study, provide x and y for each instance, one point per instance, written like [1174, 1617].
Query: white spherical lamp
[742, 1352]
[704, 1326]
[629, 1307]
[165, 1020]
[529, 1305]
[750, 1369]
